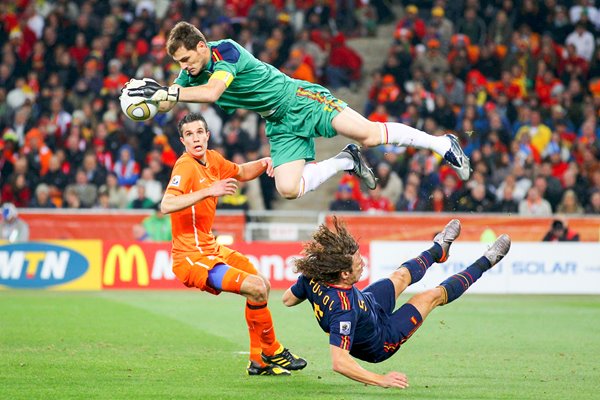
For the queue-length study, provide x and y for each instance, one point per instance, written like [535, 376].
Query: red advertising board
[131, 265]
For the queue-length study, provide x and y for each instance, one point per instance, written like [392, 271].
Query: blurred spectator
[388, 93]
[441, 26]
[115, 79]
[451, 190]
[593, 206]
[117, 194]
[37, 153]
[6, 161]
[126, 168]
[472, 26]
[437, 201]
[57, 179]
[297, 67]
[157, 226]
[96, 174]
[313, 54]
[16, 190]
[86, 192]
[534, 205]
[236, 140]
[475, 200]
[569, 204]
[153, 188]
[574, 181]
[443, 112]
[141, 201]
[389, 181]
[452, 89]
[432, 62]
[500, 29]
[344, 200]
[507, 204]
[345, 64]
[376, 202]
[42, 197]
[583, 40]
[12, 228]
[103, 201]
[409, 200]
[559, 232]
[412, 22]
[318, 15]
[73, 152]
[71, 198]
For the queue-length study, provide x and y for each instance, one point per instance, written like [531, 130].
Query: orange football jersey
[192, 226]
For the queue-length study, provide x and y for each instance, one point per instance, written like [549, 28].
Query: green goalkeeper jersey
[252, 84]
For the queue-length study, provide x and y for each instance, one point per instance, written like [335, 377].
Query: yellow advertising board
[51, 265]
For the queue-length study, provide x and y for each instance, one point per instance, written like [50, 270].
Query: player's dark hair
[191, 117]
[184, 34]
[328, 254]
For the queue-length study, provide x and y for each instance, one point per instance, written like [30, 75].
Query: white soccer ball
[137, 108]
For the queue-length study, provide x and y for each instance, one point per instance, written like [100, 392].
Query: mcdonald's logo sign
[124, 260]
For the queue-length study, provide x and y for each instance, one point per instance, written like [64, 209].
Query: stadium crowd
[516, 80]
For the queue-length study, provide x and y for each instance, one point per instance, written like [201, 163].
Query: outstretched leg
[351, 124]
[414, 269]
[453, 287]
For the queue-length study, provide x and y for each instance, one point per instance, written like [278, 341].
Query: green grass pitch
[191, 345]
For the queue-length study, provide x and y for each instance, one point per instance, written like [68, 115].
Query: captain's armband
[224, 76]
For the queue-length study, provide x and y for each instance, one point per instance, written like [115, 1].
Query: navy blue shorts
[401, 324]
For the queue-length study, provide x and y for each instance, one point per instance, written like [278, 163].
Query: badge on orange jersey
[175, 180]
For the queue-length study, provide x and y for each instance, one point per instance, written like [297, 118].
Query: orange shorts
[192, 269]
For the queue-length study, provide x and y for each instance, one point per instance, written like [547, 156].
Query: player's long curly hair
[328, 254]
[184, 34]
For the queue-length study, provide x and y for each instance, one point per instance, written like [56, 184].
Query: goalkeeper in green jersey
[296, 112]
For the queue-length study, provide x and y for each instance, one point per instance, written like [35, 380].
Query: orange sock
[255, 348]
[259, 318]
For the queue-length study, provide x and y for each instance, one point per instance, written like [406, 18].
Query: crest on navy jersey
[345, 327]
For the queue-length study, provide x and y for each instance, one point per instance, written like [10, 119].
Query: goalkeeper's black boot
[361, 168]
[285, 359]
[255, 369]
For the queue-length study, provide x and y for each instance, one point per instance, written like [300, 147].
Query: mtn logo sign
[39, 265]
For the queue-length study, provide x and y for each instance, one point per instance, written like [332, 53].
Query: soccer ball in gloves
[137, 108]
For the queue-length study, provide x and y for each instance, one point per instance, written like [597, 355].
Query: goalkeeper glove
[151, 90]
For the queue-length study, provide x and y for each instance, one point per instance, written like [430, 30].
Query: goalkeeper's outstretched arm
[167, 96]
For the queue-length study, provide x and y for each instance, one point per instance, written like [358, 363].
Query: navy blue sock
[457, 284]
[418, 266]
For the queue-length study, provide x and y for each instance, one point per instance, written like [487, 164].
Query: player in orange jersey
[198, 178]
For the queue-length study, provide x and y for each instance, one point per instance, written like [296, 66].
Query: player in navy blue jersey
[363, 324]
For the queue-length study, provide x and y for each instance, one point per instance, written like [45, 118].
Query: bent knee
[401, 275]
[256, 289]
[372, 137]
[288, 190]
